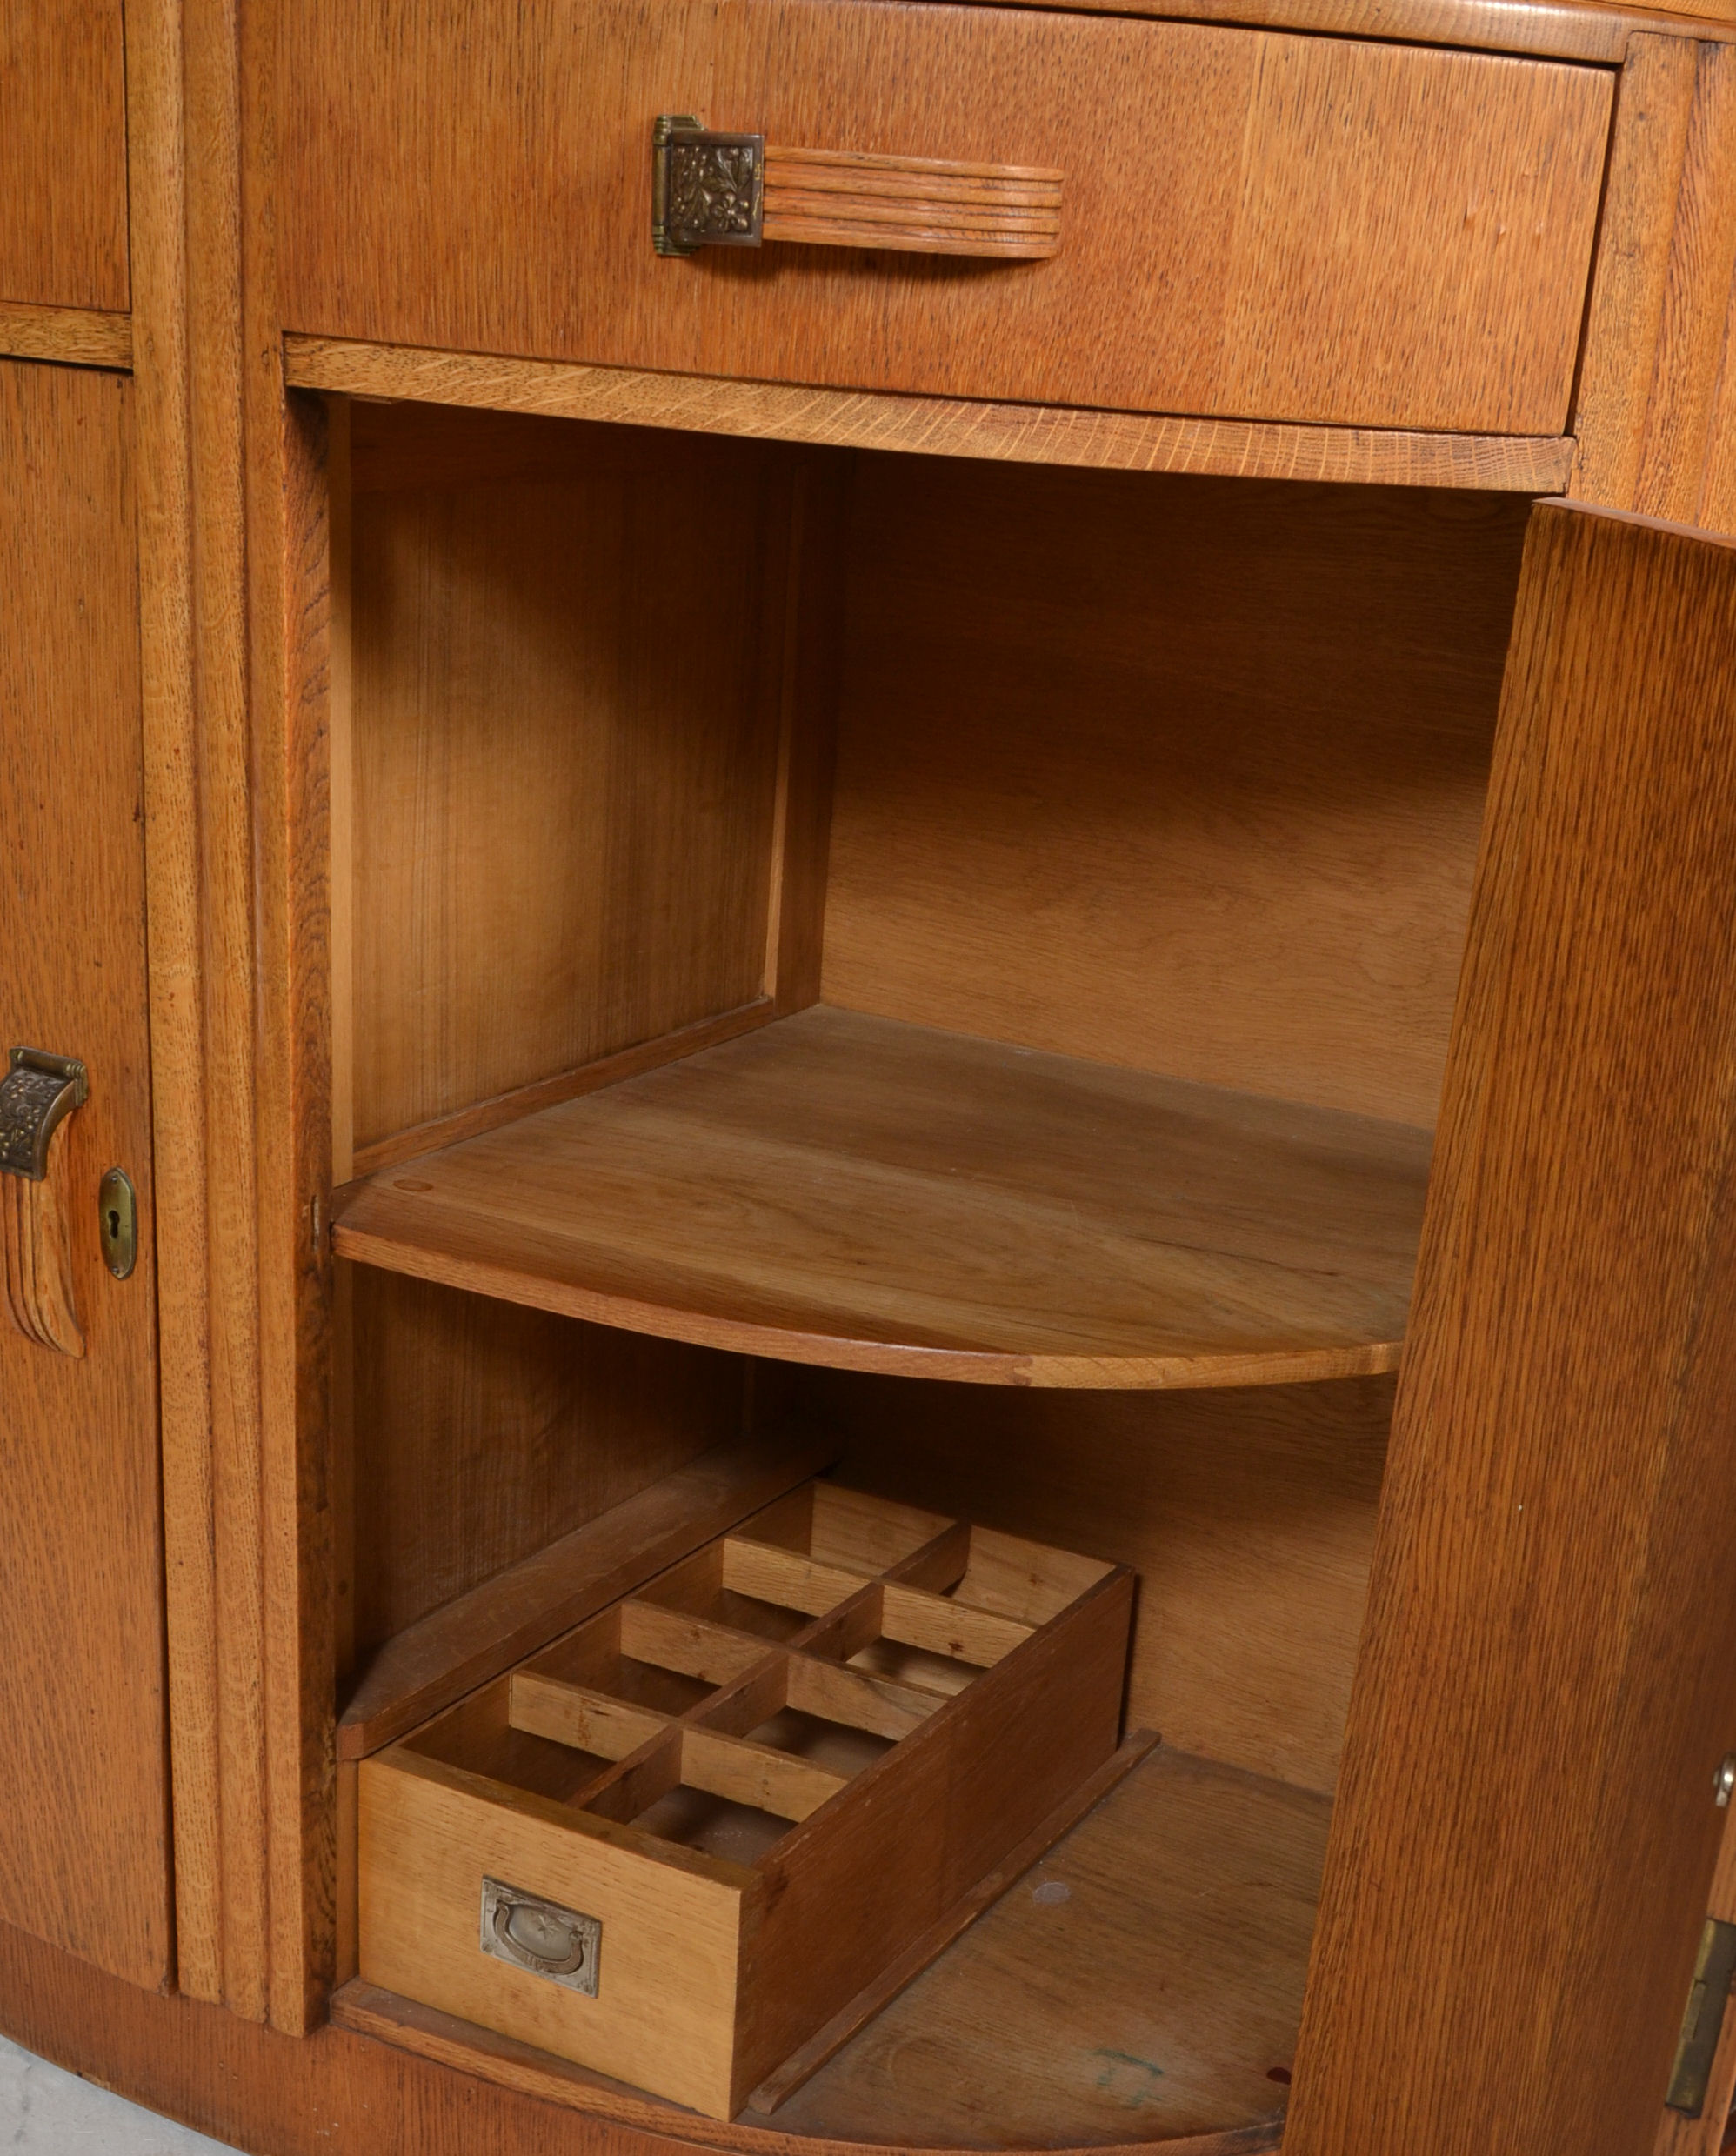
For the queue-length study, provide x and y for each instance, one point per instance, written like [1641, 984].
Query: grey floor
[46, 2112]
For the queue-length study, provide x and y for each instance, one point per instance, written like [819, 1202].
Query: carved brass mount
[707, 190]
[37, 1095]
[35, 1098]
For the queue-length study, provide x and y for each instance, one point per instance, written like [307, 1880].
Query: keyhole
[118, 1223]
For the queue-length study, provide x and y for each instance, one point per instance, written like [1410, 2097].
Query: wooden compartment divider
[759, 1859]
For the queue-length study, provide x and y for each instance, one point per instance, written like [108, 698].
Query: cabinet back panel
[566, 647]
[1180, 773]
[478, 1431]
[1248, 1515]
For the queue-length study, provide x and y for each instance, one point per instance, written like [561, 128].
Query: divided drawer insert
[676, 1843]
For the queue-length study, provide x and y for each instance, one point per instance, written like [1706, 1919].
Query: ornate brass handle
[710, 189]
[37, 1095]
[540, 1935]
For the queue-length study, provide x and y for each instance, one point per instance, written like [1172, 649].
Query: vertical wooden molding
[290, 651]
[291, 662]
[220, 572]
[340, 725]
[1657, 329]
[1524, 1834]
[174, 882]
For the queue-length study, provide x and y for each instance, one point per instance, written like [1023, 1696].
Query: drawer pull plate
[712, 189]
[707, 189]
[541, 1936]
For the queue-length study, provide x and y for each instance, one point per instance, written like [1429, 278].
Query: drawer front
[62, 156]
[663, 2013]
[1252, 225]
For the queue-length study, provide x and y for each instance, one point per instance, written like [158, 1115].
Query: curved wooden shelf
[853, 1191]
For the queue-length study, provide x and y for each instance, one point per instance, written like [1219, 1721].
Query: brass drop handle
[710, 189]
[37, 1095]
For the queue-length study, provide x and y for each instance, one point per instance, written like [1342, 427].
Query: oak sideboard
[868, 1072]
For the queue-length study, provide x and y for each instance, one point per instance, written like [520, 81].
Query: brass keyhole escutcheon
[117, 1219]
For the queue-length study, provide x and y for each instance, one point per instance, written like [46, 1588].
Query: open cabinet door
[84, 1810]
[1526, 1827]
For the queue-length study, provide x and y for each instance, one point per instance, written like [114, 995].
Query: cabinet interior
[646, 744]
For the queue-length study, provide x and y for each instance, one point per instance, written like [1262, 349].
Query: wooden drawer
[673, 1845]
[64, 155]
[1252, 225]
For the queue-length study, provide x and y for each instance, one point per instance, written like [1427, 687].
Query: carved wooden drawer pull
[710, 189]
[36, 1096]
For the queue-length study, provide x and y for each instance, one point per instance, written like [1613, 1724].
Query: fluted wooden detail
[38, 1259]
[919, 205]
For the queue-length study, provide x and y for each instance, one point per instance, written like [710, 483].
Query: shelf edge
[1096, 1373]
[932, 426]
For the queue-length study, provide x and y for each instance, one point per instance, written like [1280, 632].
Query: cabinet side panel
[483, 1432]
[1524, 1831]
[566, 655]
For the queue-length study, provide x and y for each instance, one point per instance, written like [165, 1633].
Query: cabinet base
[333, 2093]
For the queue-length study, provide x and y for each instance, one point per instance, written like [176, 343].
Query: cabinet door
[83, 1813]
[1525, 1827]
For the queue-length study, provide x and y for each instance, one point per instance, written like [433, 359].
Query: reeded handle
[712, 189]
[39, 1092]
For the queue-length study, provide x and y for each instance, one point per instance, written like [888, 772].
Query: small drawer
[64, 157]
[676, 1843]
[1075, 209]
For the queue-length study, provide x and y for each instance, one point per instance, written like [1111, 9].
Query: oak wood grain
[869, 1847]
[517, 704]
[1505, 1949]
[912, 205]
[428, 1832]
[855, 1191]
[158, 169]
[85, 1831]
[76, 337]
[1557, 28]
[1181, 774]
[452, 2089]
[852, 1885]
[521, 1607]
[802, 2063]
[41, 1301]
[64, 157]
[483, 1432]
[929, 425]
[1658, 331]
[1066, 1996]
[1248, 1515]
[1287, 271]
